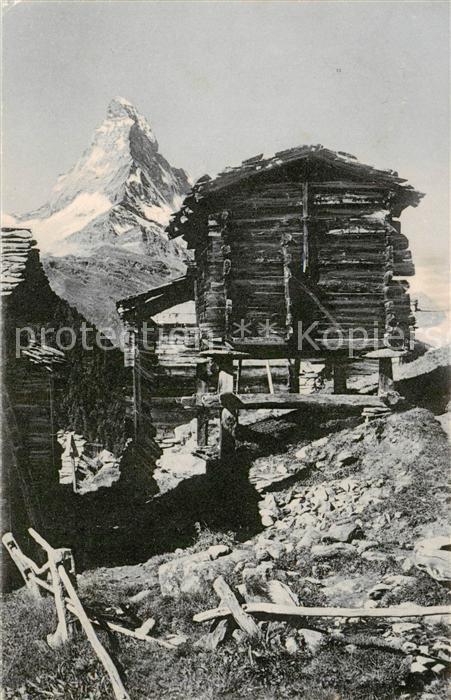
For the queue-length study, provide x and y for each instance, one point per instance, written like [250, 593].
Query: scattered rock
[324, 551]
[407, 565]
[191, 574]
[416, 667]
[438, 668]
[218, 550]
[433, 555]
[345, 457]
[281, 594]
[344, 532]
[258, 572]
[302, 453]
[214, 638]
[269, 505]
[403, 627]
[139, 597]
[267, 520]
[239, 636]
[291, 645]
[313, 639]
[306, 519]
[310, 537]
[378, 591]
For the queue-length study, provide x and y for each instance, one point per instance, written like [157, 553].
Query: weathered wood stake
[294, 369]
[202, 414]
[386, 382]
[228, 599]
[228, 422]
[339, 377]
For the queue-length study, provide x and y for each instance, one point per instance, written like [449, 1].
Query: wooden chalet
[308, 236]
[297, 256]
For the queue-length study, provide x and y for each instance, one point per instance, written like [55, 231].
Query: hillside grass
[242, 669]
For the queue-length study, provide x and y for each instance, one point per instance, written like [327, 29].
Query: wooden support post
[294, 369]
[23, 563]
[386, 382]
[202, 414]
[228, 419]
[61, 635]
[238, 376]
[305, 238]
[339, 377]
[268, 374]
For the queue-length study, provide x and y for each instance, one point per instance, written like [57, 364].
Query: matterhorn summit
[102, 230]
[121, 181]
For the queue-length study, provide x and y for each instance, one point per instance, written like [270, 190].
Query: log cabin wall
[244, 268]
[355, 237]
[273, 253]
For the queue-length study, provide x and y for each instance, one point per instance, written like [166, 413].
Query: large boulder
[190, 574]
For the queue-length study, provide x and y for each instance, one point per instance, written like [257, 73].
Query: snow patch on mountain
[77, 214]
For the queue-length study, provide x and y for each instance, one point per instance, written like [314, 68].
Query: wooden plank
[288, 611]
[229, 600]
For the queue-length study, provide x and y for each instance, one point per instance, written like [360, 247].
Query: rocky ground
[356, 518]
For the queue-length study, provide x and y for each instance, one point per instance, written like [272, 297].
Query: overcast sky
[222, 81]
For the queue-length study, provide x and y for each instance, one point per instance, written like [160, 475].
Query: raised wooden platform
[237, 402]
[230, 403]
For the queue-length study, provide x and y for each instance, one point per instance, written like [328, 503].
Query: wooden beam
[243, 402]
[246, 401]
[288, 611]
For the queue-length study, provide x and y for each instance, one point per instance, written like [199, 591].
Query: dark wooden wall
[280, 252]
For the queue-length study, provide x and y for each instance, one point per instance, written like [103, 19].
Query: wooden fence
[57, 577]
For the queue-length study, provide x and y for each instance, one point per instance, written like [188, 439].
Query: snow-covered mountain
[102, 231]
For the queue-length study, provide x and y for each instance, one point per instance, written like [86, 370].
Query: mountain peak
[119, 184]
[120, 108]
